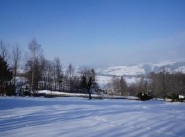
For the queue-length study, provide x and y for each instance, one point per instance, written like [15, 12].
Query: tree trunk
[89, 94]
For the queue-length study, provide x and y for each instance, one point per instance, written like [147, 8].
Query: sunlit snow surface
[79, 117]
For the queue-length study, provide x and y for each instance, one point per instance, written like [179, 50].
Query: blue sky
[94, 32]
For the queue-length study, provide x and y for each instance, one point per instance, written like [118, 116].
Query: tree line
[39, 73]
[163, 84]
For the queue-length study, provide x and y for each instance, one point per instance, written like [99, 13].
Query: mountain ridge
[141, 69]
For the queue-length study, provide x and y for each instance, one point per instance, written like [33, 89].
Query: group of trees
[159, 85]
[117, 86]
[8, 68]
[5, 77]
[40, 73]
[163, 84]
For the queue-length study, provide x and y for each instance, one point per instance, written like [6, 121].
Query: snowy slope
[131, 73]
[180, 69]
[140, 69]
[104, 80]
[123, 70]
[79, 117]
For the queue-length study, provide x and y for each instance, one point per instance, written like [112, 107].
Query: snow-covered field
[79, 117]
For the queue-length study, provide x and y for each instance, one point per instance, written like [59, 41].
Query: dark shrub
[10, 90]
[144, 96]
[174, 97]
[26, 93]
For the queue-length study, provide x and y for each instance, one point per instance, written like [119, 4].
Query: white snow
[131, 80]
[123, 70]
[103, 80]
[180, 69]
[79, 117]
[163, 63]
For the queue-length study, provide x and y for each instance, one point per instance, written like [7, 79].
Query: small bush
[144, 96]
[10, 90]
[174, 97]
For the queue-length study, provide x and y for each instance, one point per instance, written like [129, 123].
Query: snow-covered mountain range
[141, 69]
[132, 73]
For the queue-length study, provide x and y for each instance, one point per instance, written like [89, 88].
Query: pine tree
[5, 78]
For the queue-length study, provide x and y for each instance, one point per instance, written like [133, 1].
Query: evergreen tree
[5, 78]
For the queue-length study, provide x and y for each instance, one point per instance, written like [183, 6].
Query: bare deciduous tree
[70, 74]
[16, 58]
[88, 80]
[34, 48]
[70, 70]
[123, 87]
[57, 72]
[4, 50]
[118, 86]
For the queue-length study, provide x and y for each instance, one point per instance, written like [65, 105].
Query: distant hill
[141, 69]
[132, 73]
